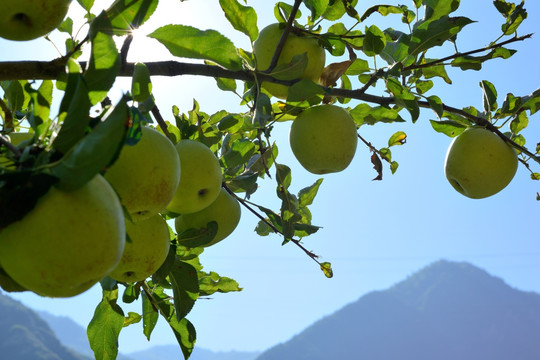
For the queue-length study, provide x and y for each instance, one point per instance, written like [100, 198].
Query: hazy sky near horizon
[374, 233]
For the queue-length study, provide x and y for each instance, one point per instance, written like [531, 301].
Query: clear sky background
[374, 233]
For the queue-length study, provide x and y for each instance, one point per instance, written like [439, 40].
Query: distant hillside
[446, 311]
[25, 336]
[173, 352]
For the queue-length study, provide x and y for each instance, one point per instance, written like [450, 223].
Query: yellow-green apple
[146, 249]
[146, 175]
[225, 211]
[201, 178]
[323, 139]
[23, 20]
[479, 163]
[265, 46]
[67, 242]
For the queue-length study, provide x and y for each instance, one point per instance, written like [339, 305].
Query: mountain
[446, 311]
[25, 336]
[174, 352]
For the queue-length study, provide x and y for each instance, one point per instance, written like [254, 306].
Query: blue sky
[374, 233]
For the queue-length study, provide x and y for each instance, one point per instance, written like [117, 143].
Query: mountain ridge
[447, 310]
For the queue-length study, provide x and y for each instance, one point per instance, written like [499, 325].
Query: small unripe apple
[146, 175]
[23, 20]
[67, 242]
[225, 211]
[201, 178]
[146, 250]
[323, 139]
[479, 163]
[265, 46]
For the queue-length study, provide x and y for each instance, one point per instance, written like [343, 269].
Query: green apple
[67, 242]
[23, 20]
[323, 139]
[225, 211]
[265, 46]
[479, 163]
[201, 178]
[145, 251]
[146, 175]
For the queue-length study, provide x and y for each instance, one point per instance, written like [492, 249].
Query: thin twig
[284, 36]
[458, 54]
[247, 205]
[161, 122]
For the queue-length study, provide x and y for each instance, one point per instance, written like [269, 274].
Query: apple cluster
[116, 220]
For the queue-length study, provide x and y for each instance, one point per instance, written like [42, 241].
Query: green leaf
[150, 315]
[210, 283]
[74, 113]
[404, 97]
[305, 93]
[104, 64]
[336, 9]
[365, 114]
[317, 7]
[239, 153]
[531, 102]
[436, 9]
[283, 175]
[263, 111]
[185, 334]
[489, 95]
[436, 105]
[141, 84]
[40, 106]
[374, 41]
[15, 95]
[86, 4]
[226, 84]
[189, 42]
[519, 123]
[398, 138]
[475, 62]
[242, 18]
[434, 71]
[192, 238]
[185, 286]
[126, 16]
[307, 194]
[132, 318]
[104, 328]
[326, 267]
[448, 127]
[514, 19]
[183, 329]
[359, 66]
[95, 151]
[434, 33]
[383, 10]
